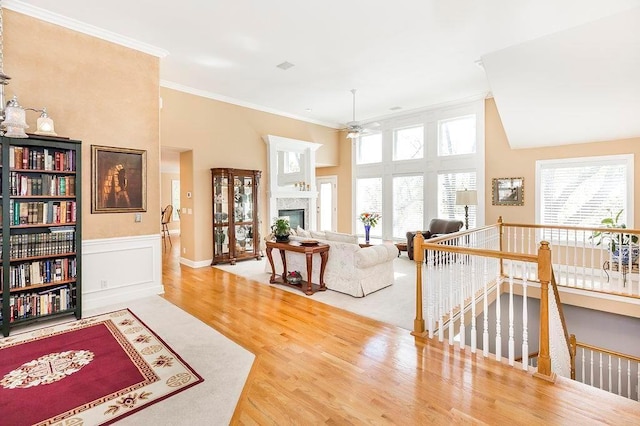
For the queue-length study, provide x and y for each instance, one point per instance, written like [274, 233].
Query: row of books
[32, 158]
[42, 272]
[36, 304]
[42, 212]
[42, 244]
[21, 184]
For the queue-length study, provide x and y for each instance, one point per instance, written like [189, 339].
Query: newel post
[544, 275]
[418, 257]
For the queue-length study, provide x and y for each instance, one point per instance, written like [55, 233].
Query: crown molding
[234, 101]
[75, 25]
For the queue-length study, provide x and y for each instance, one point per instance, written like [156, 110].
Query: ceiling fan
[354, 129]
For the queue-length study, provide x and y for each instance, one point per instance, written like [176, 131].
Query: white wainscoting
[116, 270]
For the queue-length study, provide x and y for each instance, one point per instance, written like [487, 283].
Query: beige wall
[165, 195]
[502, 161]
[345, 183]
[95, 91]
[225, 135]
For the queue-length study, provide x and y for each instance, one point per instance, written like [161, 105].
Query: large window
[408, 205]
[369, 199]
[582, 191]
[408, 144]
[410, 169]
[369, 149]
[457, 136]
[448, 184]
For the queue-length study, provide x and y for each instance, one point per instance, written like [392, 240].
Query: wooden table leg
[284, 265]
[273, 269]
[323, 256]
[309, 290]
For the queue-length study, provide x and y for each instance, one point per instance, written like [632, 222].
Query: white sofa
[350, 269]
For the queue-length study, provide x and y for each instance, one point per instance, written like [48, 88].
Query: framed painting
[118, 180]
[508, 191]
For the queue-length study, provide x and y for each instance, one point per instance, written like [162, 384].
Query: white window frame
[429, 166]
[627, 159]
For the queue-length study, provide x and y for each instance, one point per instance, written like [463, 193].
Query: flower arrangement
[370, 219]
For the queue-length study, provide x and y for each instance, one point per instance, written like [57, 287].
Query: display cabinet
[41, 230]
[235, 215]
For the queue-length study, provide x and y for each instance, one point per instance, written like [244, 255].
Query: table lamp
[466, 198]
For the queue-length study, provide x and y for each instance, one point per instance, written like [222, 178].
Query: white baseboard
[192, 264]
[116, 270]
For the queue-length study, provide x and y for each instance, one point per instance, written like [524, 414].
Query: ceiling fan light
[353, 134]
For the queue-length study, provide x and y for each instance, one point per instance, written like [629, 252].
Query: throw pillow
[342, 238]
[302, 232]
[316, 234]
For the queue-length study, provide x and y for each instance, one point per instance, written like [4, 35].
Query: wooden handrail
[531, 355]
[556, 294]
[573, 228]
[478, 252]
[608, 352]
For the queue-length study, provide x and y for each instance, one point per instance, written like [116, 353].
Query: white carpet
[223, 365]
[394, 304]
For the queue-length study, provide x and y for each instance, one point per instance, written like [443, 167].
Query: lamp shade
[467, 197]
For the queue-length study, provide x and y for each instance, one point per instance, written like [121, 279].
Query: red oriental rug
[91, 371]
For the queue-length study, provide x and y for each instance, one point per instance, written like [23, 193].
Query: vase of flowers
[369, 219]
[294, 277]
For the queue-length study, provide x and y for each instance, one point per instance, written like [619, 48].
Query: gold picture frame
[118, 180]
[508, 191]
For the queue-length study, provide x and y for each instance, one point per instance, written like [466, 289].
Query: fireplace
[296, 217]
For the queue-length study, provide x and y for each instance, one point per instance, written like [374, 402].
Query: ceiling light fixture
[353, 128]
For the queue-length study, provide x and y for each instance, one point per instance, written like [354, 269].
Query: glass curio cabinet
[235, 215]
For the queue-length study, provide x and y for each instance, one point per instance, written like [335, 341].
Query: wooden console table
[308, 251]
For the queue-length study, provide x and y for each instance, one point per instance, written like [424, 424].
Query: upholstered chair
[437, 227]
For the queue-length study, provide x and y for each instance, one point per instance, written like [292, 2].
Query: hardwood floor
[316, 364]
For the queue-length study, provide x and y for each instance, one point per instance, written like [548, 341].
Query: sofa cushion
[318, 234]
[340, 237]
[302, 232]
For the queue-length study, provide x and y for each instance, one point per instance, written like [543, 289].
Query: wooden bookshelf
[41, 230]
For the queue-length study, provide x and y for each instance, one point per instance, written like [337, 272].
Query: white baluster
[600, 364]
[511, 329]
[485, 320]
[498, 318]
[464, 274]
[525, 327]
[474, 279]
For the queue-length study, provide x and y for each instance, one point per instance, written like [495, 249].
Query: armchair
[437, 227]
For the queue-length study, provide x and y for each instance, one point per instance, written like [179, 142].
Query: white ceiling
[410, 54]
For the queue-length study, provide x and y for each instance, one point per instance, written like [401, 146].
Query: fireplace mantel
[292, 176]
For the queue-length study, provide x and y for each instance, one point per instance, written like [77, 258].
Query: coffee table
[308, 250]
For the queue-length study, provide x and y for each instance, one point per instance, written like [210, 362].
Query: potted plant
[621, 245]
[281, 229]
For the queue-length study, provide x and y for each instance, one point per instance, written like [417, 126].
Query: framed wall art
[118, 180]
[508, 191]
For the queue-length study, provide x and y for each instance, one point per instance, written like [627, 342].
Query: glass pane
[175, 199]
[448, 184]
[222, 241]
[369, 199]
[582, 195]
[457, 136]
[326, 209]
[369, 149]
[408, 144]
[408, 205]
[220, 200]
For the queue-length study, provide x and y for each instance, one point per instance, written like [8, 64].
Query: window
[457, 136]
[369, 199]
[408, 205]
[448, 184]
[581, 191]
[408, 144]
[369, 149]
